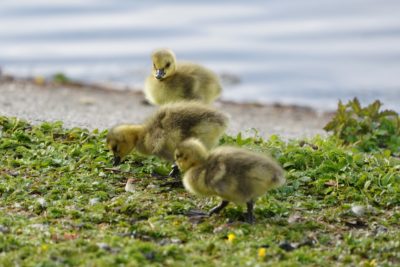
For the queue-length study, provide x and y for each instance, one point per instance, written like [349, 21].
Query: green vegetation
[61, 78]
[367, 128]
[62, 204]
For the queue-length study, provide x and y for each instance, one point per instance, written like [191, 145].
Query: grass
[62, 204]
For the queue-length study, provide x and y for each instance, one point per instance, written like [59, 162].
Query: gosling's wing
[208, 85]
[185, 85]
[198, 121]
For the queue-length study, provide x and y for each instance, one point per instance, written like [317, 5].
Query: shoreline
[103, 106]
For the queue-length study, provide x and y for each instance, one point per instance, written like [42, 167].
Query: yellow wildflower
[231, 237]
[262, 252]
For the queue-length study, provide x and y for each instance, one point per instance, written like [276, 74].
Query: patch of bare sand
[95, 107]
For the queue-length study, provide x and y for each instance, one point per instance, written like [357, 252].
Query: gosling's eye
[167, 65]
[178, 155]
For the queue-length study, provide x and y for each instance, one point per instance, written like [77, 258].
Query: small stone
[14, 173]
[42, 202]
[87, 101]
[104, 246]
[358, 210]
[150, 255]
[151, 186]
[39, 226]
[380, 229]
[295, 217]
[130, 186]
[176, 241]
[94, 201]
[4, 229]
[219, 229]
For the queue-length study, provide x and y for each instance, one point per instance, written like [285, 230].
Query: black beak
[160, 74]
[117, 160]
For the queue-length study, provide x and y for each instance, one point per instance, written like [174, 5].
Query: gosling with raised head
[234, 174]
[173, 81]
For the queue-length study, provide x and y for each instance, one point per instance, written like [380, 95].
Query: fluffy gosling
[234, 174]
[171, 81]
[165, 129]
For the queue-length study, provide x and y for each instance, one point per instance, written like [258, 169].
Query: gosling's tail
[278, 179]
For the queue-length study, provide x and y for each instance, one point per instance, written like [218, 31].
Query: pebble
[4, 229]
[40, 226]
[104, 246]
[130, 187]
[151, 186]
[94, 201]
[42, 202]
[358, 210]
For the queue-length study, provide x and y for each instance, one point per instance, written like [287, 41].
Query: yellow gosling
[166, 128]
[234, 174]
[172, 81]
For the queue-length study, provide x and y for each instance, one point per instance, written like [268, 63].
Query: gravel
[88, 107]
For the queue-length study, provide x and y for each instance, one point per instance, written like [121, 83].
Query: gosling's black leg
[249, 214]
[173, 184]
[218, 208]
[117, 161]
[175, 171]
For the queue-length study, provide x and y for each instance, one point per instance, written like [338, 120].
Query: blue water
[310, 52]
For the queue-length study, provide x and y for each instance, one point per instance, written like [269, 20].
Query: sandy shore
[93, 107]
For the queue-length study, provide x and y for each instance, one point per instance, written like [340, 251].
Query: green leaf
[365, 128]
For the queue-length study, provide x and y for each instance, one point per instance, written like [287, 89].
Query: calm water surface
[310, 52]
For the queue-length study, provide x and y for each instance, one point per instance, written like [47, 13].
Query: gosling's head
[121, 140]
[190, 153]
[164, 63]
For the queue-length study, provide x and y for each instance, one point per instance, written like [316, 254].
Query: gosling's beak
[160, 74]
[117, 160]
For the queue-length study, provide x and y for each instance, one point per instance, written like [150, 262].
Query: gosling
[171, 81]
[165, 129]
[234, 174]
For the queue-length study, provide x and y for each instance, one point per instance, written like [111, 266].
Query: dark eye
[154, 66]
[114, 148]
[168, 64]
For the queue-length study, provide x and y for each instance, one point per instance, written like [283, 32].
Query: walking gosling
[234, 174]
[171, 81]
[166, 128]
